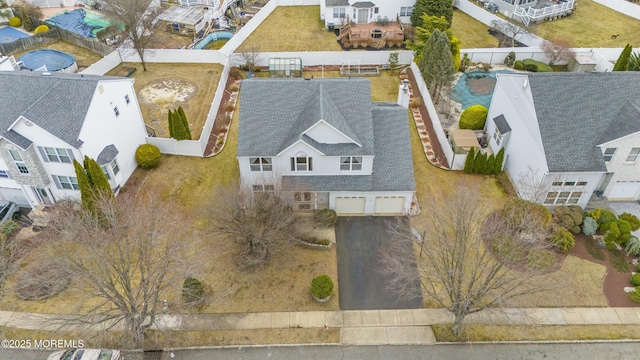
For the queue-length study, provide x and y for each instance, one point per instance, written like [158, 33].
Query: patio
[378, 34]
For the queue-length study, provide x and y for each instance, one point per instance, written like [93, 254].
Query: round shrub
[635, 279]
[606, 216]
[638, 267]
[635, 295]
[562, 239]
[589, 226]
[518, 65]
[15, 21]
[474, 117]
[192, 290]
[321, 286]
[633, 220]
[148, 156]
[40, 29]
[325, 217]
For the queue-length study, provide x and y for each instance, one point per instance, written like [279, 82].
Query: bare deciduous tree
[557, 50]
[260, 223]
[457, 269]
[250, 56]
[508, 30]
[123, 261]
[530, 185]
[137, 17]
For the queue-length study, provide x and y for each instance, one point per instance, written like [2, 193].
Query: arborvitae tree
[179, 130]
[491, 165]
[468, 164]
[185, 123]
[436, 64]
[433, 8]
[97, 178]
[499, 160]
[423, 32]
[480, 164]
[84, 184]
[623, 59]
[171, 127]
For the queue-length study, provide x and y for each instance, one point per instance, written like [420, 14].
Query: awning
[465, 139]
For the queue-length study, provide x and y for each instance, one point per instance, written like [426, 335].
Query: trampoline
[49, 60]
[9, 35]
[79, 22]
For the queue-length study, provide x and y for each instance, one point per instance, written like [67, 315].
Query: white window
[114, 167]
[581, 183]
[633, 155]
[339, 13]
[66, 182]
[126, 99]
[609, 153]
[17, 158]
[302, 196]
[4, 174]
[556, 183]
[406, 10]
[260, 164]
[497, 136]
[58, 155]
[301, 164]
[116, 111]
[105, 170]
[264, 188]
[562, 197]
[348, 163]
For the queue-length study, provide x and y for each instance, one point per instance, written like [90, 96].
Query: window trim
[57, 155]
[105, 171]
[116, 111]
[20, 164]
[340, 11]
[351, 165]
[609, 156]
[263, 164]
[115, 168]
[563, 197]
[631, 154]
[127, 99]
[406, 10]
[4, 174]
[70, 181]
[296, 163]
[266, 188]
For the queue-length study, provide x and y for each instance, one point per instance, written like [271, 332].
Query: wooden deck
[372, 35]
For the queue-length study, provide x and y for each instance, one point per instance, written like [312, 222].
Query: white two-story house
[327, 144]
[337, 12]
[50, 119]
[568, 135]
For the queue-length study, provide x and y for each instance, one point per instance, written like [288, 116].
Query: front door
[363, 16]
[44, 196]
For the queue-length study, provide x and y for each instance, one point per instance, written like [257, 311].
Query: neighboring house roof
[576, 112]
[502, 124]
[57, 102]
[337, 2]
[363, 4]
[275, 113]
[392, 164]
[107, 155]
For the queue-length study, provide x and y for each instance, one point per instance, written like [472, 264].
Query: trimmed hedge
[321, 286]
[148, 156]
[635, 279]
[325, 217]
[15, 21]
[518, 65]
[40, 29]
[474, 117]
[635, 295]
[536, 66]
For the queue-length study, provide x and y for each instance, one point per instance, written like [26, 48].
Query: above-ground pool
[53, 60]
[79, 21]
[217, 35]
[475, 88]
[9, 35]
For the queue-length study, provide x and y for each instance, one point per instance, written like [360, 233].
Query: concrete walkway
[366, 327]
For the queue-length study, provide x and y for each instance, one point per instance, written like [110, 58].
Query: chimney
[403, 94]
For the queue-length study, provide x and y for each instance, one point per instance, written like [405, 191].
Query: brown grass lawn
[168, 79]
[84, 57]
[292, 28]
[592, 26]
[476, 332]
[471, 32]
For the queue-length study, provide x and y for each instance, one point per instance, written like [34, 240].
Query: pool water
[475, 88]
[9, 35]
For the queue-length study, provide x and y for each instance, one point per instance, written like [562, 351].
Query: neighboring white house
[49, 119]
[336, 12]
[568, 135]
[325, 141]
[49, 3]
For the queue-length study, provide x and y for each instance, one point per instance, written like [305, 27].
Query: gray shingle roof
[578, 111]
[337, 2]
[502, 124]
[363, 4]
[392, 164]
[274, 113]
[107, 154]
[58, 102]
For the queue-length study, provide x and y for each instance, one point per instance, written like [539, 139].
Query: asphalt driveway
[361, 284]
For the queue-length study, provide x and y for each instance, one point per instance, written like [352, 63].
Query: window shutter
[70, 152]
[310, 164]
[57, 181]
[43, 154]
[293, 164]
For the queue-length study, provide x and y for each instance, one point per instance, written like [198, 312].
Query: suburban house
[49, 119]
[339, 12]
[568, 136]
[327, 144]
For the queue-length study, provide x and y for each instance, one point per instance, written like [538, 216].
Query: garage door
[393, 205]
[350, 205]
[15, 195]
[624, 190]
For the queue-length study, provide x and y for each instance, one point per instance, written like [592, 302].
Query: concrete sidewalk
[366, 327]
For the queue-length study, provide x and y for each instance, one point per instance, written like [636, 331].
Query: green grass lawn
[292, 28]
[592, 25]
[471, 32]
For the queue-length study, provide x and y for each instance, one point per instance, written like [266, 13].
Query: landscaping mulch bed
[217, 125]
[614, 281]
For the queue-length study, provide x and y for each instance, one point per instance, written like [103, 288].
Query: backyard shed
[582, 63]
[285, 67]
[464, 139]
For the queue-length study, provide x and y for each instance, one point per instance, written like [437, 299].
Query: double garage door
[624, 190]
[15, 195]
[392, 205]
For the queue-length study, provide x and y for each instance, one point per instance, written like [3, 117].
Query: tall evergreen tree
[185, 123]
[84, 184]
[179, 131]
[429, 24]
[480, 163]
[468, 164]
[499, 160]
[436, 64]
[172, 134]
[623, 59]
[97, 178]
[491, 164]
[431, 7]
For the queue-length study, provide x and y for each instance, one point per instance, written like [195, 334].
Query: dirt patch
[168, 91]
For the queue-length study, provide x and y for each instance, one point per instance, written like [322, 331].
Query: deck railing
[530, 14]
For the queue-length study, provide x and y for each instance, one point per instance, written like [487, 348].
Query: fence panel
[331, 58]
[215, 105]
[28, 43]
[104, 65]
[175, 56]
[238, 38]
[622, 6]
[175, 147]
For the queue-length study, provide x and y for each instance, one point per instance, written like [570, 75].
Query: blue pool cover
[54, 60]
[465, 95]
[9, 35]
[74, 21]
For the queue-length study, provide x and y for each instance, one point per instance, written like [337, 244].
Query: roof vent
[525, 83]
[46, 74]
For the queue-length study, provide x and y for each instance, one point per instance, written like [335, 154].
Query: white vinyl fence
[104, 65]
[331, 58]
[622, 6]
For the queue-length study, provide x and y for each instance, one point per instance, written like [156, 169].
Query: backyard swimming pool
[475, 88]
[9, 35]
[80, 22]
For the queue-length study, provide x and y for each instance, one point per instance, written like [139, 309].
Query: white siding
[325, 134]
[386, 8]
[592, 179]
[621, 169]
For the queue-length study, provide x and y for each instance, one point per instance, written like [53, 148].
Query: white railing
[531, 14]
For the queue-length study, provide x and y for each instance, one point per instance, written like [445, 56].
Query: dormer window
[116, 111]
[126, 99]
[351, 163]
